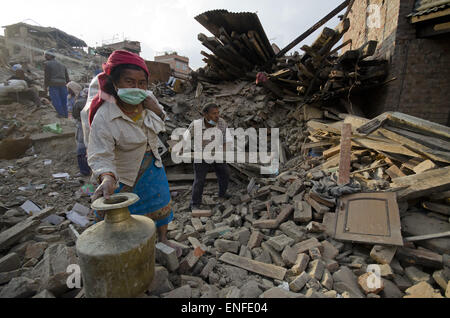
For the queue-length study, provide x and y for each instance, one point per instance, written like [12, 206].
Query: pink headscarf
[117, 58]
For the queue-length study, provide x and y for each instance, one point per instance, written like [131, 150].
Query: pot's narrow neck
[117, 215]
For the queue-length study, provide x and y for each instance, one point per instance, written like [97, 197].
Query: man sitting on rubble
[28, 94]
[55, 79]
[210, 119]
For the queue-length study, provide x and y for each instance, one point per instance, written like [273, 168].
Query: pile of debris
[319, 77]
[303, 234]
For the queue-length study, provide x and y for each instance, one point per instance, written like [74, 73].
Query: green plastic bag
[54, 128]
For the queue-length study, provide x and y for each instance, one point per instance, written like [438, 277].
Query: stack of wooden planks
[393, 152]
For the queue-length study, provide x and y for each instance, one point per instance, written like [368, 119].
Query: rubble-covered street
[359, 206]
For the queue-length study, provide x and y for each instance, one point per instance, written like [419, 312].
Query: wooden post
[313, 28]
[346, 153]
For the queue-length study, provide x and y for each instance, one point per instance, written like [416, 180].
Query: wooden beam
[420, 257]
[385, 146]
[268, 270]
[426, 237]
[311, 30]
[15, 233]
[188, 177]
[436, 207]
[416, 146]
[320, 208]
[422, 184]
[345, 154]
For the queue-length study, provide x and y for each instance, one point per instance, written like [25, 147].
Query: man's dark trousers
[200, 172]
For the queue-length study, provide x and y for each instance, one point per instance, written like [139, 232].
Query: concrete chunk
[329, 250]
[166, 256]
[35, 250]
[422, 290]
[242, 235]
[346, 281]
[370, 283]
[440, 279]
[416, 275]
[327, 280]
[182, 292]
[20, 287]
[212, 262]
[215, 233]
[277, 292]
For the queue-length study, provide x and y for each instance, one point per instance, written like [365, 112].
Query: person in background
[211, 119]
[79, 101]
[171, 80]
[31, 93]
[56, 78]
[73, 90]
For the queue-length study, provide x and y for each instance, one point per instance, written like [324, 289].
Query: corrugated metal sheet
[241, 22]
[423, 7]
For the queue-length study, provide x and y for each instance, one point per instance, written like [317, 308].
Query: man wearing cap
[56, 78]
[211, 120]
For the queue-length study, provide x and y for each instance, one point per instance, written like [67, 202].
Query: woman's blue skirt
[154, 194]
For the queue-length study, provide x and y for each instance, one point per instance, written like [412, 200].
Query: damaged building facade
[179, 64]
[414, 36]
[26, 42]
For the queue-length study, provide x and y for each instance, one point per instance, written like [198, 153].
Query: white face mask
[132, 96]
[212, 122]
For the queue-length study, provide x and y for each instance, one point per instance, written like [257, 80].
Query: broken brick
[201, 213]
[299, 282]
[316, 269]
[280, 242]
[302, 212]
[315, 253]
[301, 264]
[255, 240]
[166, 256]
[315, 227]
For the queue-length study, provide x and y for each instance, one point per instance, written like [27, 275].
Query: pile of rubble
[359, 208]
[275, 238]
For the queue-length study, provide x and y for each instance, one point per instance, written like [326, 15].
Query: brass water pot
[117, 255]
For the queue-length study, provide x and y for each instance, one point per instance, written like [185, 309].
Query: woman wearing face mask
[125, 120]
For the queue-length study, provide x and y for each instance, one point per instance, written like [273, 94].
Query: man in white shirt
[211, 119]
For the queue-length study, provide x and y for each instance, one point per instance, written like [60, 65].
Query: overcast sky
[164, 25]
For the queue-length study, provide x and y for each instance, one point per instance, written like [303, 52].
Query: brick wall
[421, 66]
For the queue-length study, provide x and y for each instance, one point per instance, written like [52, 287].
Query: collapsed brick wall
[420, 66]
